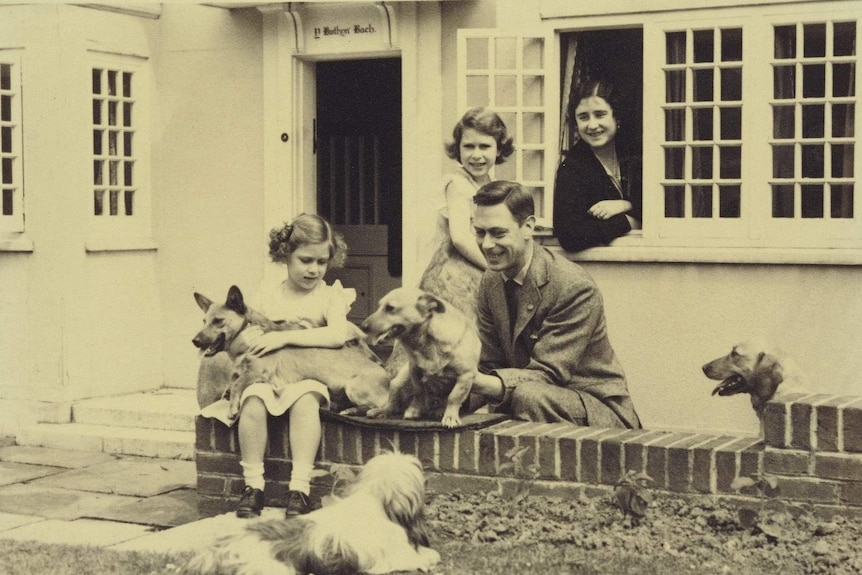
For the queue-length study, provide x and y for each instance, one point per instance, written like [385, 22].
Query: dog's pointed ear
[767, 376]
[234, 300]
[203, 302]
[428, 304]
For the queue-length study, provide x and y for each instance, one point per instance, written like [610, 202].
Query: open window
[11, 172]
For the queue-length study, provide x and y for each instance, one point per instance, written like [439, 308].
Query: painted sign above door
[323, 28]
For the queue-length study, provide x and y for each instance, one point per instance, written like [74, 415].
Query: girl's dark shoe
[251, 503]
[297, 504]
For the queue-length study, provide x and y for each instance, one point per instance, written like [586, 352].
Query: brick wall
[812, 447]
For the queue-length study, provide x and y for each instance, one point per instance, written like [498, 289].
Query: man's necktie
[512, 301]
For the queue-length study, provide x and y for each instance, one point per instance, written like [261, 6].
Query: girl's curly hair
[485, 121]
[306, 229]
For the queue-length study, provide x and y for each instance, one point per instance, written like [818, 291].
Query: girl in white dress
[308, 247]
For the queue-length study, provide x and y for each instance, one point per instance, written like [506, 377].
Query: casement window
[511, 73]
[749, 122]
[120, 197]
[11, 159]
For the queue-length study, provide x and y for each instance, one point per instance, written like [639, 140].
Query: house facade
[146, 151]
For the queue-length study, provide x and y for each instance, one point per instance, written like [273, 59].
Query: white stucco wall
[209, 149]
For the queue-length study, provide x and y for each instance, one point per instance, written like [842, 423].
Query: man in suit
[545, 349]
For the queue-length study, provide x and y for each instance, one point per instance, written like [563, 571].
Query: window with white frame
[120, 195]
[749, 123]
[508, 72]
[11, 172]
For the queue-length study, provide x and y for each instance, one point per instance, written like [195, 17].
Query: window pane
[731, 84]
[782, 161]
[505, 51]
[702, 123]
[731, 162]
[814, 40]
[97, 112]
[842, 201]
[842, 160]
[533, 128]
[674, 125]
[127, 144]
[812, 201]
[729, 201]
[785, 42]
[534, 53]
[843, 118]
[731, 45]
[477, 91]
[7, 170]
[97, 172]
[675, 86]
[704, 46]
[112, 143]
[477, 53]
[812, 121]
[505, 91]
[701, 201]
[112, 113]
[114, 202]
[127, 114]
[674, 201]
[731, 123]
[533, 88]
[97, 80]
[98, 202]
[782, 201]
[6, 108]
[127, 173]
[129, 202]
[97, 142]
[701, 163]
[674, 163]
[814, 81]
[112, 82]
[843, 80]
[844, 42]
[533, 165]
[812, 161]
[112, 173]
[675, 47]
[127, 84]
[8, 202]
[6, 139]
[783, 122]
[784, 82]
[506, 170]
[703, 85]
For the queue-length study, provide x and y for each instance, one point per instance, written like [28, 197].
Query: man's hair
[516, 197]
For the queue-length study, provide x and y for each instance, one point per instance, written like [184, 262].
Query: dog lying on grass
[350, 372]
[443, 350]
[378, 527]
[756, 369]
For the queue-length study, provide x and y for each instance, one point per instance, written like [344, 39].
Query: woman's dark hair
[601, 89]
[516, 197]
[306, 229]
[487, 122]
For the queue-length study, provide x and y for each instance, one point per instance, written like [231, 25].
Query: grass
[459, 558]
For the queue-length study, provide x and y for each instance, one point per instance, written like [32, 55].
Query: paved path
[121, 502]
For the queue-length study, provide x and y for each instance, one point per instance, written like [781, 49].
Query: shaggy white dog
[378, 527]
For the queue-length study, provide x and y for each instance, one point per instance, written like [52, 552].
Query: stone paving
[123, 502]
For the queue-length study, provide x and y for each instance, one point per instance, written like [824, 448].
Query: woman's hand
[607, 209]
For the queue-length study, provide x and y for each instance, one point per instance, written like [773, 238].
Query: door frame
[289, 109]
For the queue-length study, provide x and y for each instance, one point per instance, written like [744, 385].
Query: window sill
[95, 245]
[633, 248]
[15, 243]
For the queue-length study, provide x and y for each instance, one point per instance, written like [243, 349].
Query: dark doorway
[357, 149]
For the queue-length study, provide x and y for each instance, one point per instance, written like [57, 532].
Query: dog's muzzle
[731, 386]
[210, 350]
[377, 337]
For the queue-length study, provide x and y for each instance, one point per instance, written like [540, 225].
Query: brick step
[170, 409]
[110, 439]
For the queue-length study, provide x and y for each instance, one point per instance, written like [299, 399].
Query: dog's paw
[376, 413]
[412, 412]
[451, 418]
[355, 410]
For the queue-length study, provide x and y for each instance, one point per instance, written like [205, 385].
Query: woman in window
[597, 194]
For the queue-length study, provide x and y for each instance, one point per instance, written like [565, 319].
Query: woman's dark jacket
[581, 182]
